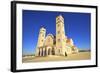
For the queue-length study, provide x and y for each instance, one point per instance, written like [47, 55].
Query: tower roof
[42, 28]
[60, 16]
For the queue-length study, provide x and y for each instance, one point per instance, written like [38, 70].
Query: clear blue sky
[77, 27]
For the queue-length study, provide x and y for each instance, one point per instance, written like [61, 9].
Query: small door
[65, 54]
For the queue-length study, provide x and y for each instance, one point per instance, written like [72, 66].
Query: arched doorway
[48, 51]
[42, 52]
[53, 51]
[39, 53]
[65, 54]
[45, 52]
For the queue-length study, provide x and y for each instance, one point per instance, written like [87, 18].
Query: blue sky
[77, 27]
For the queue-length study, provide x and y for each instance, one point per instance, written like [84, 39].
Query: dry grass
[78, 56]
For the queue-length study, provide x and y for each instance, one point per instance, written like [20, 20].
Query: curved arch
[51, 35]
[39, 52]
[65, 54]
[53, 51]
[42, 52]
[48, 51]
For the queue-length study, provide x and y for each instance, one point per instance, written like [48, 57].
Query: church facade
[58, 44]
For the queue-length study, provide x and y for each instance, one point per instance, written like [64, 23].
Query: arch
[65, 54]
[48, 51]
[39, 53]
[45, 52]
[53, 51]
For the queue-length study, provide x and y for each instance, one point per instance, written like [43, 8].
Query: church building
[58, 44]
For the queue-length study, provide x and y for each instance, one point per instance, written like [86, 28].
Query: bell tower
[60, 35]
[41, 37]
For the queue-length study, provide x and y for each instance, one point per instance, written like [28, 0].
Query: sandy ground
[78, 56]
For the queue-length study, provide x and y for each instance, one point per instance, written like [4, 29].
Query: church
[59, 44]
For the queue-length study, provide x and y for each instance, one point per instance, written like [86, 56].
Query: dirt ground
[78, 56]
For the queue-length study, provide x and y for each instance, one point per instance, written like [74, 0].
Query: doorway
[65, 54]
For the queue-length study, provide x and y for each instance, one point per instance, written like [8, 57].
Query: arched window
[58, 25]
[58, 40]
[58, 32]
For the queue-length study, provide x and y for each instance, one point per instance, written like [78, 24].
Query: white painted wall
[5, 36]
